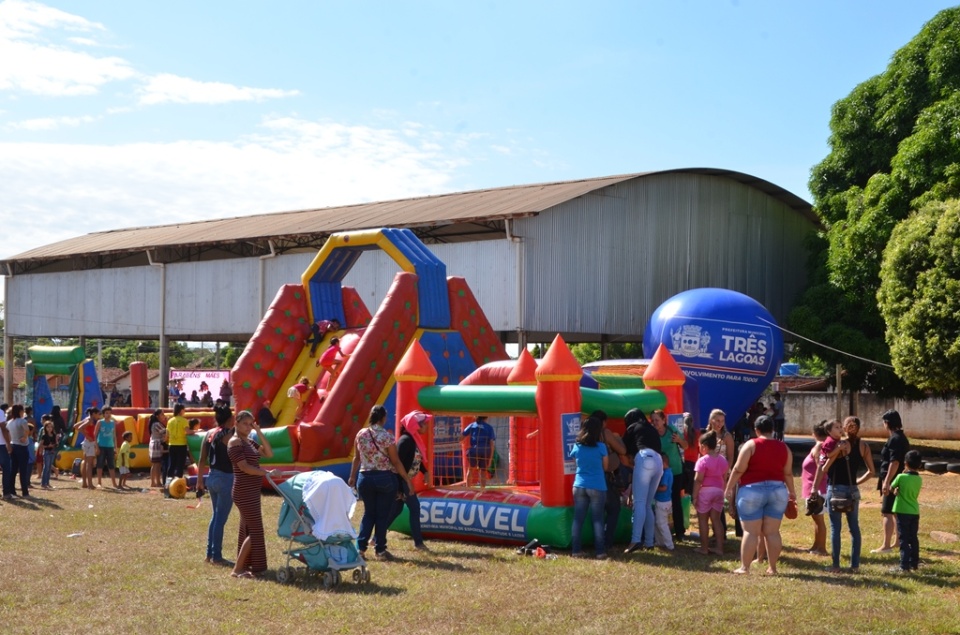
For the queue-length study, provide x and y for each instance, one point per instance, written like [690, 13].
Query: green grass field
[137, 567]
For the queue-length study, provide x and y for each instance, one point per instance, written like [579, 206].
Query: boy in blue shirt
[663, 504]
[906, 506]
[480, 450]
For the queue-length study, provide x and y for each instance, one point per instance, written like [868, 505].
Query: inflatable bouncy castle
[317, 425]
[545, 404]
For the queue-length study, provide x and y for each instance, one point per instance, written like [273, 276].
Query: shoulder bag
[843, 504]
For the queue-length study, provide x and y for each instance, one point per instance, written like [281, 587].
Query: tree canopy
[894, 147]
[920, 296]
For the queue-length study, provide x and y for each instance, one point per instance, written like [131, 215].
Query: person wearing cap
[892, 458]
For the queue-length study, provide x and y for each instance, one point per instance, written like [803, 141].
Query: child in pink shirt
[711, 471]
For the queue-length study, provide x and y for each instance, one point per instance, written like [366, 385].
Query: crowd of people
[648, 469]
[754, 483]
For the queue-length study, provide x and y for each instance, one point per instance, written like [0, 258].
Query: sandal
[243, 574]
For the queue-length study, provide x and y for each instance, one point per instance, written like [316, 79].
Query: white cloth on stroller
[331, 503]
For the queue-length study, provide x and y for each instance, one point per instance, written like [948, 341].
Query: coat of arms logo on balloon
[728, 345]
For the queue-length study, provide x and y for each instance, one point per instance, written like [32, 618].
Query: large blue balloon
[726, 340]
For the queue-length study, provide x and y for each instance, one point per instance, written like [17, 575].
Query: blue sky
[120, 114]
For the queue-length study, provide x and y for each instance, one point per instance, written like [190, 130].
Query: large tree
[920, 296]
[894, 146]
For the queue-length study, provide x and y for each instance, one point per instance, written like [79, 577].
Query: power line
[821, 344]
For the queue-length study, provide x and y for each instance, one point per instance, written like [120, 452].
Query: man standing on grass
[177, 439]
[5, 450]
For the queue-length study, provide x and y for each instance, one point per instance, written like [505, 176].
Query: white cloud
[51, 123]
[32, 64]
[55, 191]
[43, 52]
[168, 88]
[83, 41]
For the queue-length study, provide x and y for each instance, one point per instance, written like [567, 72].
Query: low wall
[933, 418]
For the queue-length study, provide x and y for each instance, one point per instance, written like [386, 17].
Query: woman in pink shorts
[711, 473]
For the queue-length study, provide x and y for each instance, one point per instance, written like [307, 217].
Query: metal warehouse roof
[441, 218]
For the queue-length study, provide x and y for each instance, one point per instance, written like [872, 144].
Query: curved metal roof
[441, 218]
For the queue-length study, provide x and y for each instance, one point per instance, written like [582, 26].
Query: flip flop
[245, 574]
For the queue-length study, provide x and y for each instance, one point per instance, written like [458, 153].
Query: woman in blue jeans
[374, 472]
[841, 468]
[589, 485]
[642, 441]
[764, 471]
[218, 481]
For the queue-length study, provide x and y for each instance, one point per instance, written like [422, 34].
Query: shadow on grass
[311, 580]
[34, 502]
[434, 563]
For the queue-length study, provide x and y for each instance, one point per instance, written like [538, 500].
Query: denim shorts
[764, 499]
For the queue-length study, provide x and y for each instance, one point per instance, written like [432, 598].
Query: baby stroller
[315, 516]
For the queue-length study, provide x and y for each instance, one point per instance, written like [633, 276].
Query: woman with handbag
[843, 492]
[412, 451]
[764, 472]
[374, 471]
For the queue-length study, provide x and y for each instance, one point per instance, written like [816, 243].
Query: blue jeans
[378, 491]
[612, 510]
[413, 503]
[220, 487]
[853, 524]
[7, 466]
[908, 526]
[594, 500]
[48, 458]
[20, 464]
[647, 470]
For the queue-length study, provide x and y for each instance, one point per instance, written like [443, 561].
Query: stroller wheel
[357, 576]
[366, 575]
[284, 575]
[329, 581]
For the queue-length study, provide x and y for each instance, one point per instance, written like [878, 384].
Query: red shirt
[330, 355]
[767, 463]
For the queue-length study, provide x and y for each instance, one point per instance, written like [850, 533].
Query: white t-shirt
[3, 419]
[18, 431]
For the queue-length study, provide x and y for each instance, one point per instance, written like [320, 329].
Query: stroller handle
[283, 475]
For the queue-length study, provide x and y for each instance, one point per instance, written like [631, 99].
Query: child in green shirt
[906, 506]
[124, 459]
